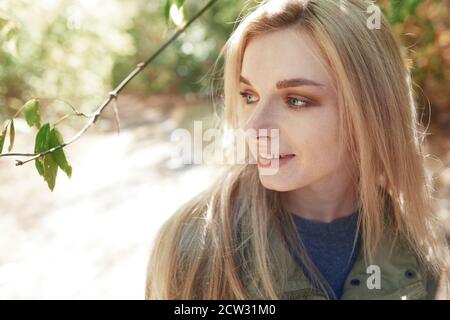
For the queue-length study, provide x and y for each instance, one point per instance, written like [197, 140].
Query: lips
[274, 157]
[265, 160]
[289, 155]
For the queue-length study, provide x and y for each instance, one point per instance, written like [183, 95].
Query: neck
[325, 200]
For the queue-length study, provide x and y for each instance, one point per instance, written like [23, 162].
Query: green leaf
[167, 5]
[2, 138]
[42, 139]
[179, 3]
[58, 155]
[39, 166]
[50, 171]
[32, 113]
[12, 134]
[47, 165]
[40, 145]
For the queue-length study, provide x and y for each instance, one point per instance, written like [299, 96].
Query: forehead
[283, 54]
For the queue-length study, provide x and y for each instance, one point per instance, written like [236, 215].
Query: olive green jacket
[400, 277]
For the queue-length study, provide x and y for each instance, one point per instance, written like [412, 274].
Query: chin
[276, 183]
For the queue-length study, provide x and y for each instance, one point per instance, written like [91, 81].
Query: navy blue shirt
[330, 245]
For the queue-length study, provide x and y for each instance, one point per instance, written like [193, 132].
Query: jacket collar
[394, 263]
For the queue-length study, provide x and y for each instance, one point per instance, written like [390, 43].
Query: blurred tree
[423, 26]
[183, 65]
[48, 152]
[77, 50]
[61, 49]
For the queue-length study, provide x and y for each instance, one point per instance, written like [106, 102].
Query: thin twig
[64, 117]
[116, 115]
[78, 113]
[112, 95]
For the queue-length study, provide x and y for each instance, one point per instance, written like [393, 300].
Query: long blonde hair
[217, 246]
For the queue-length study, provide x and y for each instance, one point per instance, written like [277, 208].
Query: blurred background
[90, 237]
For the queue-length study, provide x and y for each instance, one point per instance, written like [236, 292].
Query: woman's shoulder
[395, 272]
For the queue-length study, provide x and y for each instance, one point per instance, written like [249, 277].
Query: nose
[261, 131]
[261, 123]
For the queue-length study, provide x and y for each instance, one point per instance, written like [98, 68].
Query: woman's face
[285, 86]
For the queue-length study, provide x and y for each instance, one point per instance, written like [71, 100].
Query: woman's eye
[249, 98]
[297, 103]
[293, 102]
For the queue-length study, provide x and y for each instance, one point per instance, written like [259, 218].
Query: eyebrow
[295, 82]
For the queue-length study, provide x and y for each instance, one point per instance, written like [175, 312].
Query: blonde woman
[349, 212]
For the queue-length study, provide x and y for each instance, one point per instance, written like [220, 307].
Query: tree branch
[112, 95]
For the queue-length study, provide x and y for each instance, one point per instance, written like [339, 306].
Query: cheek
[317, 141]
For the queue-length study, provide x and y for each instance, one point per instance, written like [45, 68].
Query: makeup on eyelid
[302, 101]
